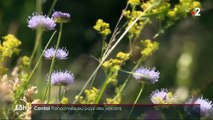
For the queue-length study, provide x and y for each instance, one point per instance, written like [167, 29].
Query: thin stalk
[103, 88]
[105, 56]
[108, 52]
[53, 62]
[127, 79]
[59, 93]
[136, 100]
[37, 43]
[39, 5]
[52, 6]
[38, 49]
[38, 61]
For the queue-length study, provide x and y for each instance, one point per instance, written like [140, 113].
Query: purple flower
[162, 97]
[206, 106]
[61, 53]
[60, 17]
[146, 75]
[40, 22]
[62, 78]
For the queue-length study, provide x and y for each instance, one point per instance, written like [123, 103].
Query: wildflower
[62, 78]
[147, 75]
[206, 106]
[195, 4]
[61, 53]
[25, 60]
[60, 17]
[150, 47]
[171, 13]
[116, 100]
[9, 46]
[102, 27]
[64, 100]
[162, 97]
[123, 56]
[111, 62]
[90, 97]
[41, 22]
[134, 2]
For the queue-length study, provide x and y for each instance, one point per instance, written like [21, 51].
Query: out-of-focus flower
[37, 21]
[123, 56]
[60, 17]
[206, 106]
[25, 60]
[64, 100]
[61, 53]
[162, 97]
[134, 2]
[146, 75]
[149, 47]
[62, 78]
[90, 97]
[9, 46]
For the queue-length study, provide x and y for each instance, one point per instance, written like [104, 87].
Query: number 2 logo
[196, 12]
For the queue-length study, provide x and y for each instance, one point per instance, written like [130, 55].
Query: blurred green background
[184, 60]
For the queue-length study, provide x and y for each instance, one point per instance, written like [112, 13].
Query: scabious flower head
[146, 75]
[60, 17]
[37, 21]
[162, 97]
[61, 53]
[62, 78]
[206, 106]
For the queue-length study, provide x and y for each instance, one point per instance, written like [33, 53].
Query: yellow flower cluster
[102, 27]
[90, 96]
[121, 57]
[9, 46]
[111, 62]
[112, 66]
[170, 99]
[25, 60]
[64, 100]
[134, 2]
[138, 26]
[183, 8]
[149, 47]
[113, 101]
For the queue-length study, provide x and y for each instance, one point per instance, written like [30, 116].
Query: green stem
[39, 5]
[37, 43]
[38, 61]
[127, 79]
[103, 88]
[109, 51]
[53, 62]
[136, 100]
[59, 93]
[52, 6]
